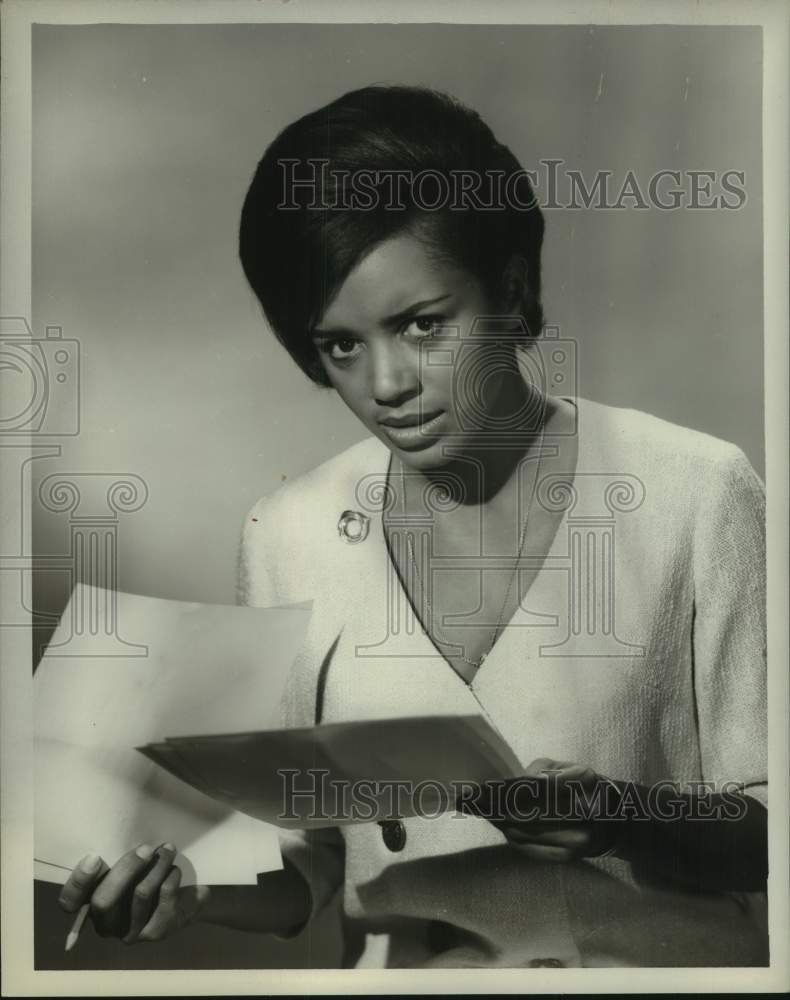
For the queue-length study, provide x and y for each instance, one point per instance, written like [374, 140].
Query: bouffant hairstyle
[330, 188]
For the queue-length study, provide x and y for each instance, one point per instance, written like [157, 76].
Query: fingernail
[144, 852]
[90, 864]
[168, 847]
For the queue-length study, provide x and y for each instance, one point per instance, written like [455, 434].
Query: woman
[590, 579]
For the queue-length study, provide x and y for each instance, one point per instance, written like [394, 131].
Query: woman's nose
[393, 375]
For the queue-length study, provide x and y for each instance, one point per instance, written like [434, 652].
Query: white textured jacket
[639, 650]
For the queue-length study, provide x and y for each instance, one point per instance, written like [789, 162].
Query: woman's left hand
[559, 811]
[551, 813]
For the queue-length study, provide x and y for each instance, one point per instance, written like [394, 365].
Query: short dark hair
[296, 260]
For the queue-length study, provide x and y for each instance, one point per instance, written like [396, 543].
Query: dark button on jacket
[393, 833]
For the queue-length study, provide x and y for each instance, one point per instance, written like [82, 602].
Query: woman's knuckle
[81, 880]
[143, 893]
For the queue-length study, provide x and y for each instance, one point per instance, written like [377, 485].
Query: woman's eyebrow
[332, 334]
[391, 321]
[397, 318]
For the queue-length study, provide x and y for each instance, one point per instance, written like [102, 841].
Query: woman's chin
[427, 453]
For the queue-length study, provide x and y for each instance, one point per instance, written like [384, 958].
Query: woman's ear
[514, 284]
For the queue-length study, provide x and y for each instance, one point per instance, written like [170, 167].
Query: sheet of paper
[206, 669]
[247, 770]
[88, 801]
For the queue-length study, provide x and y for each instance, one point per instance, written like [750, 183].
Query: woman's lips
[415, 436]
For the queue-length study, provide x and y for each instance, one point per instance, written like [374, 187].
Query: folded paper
[339, 773]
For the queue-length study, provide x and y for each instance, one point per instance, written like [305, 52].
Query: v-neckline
[506, 627]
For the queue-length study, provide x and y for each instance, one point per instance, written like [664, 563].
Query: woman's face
[400, 345]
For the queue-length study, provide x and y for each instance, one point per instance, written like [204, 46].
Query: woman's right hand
[139, 899]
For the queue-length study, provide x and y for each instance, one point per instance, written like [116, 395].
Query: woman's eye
[425, 326]
[343, 349]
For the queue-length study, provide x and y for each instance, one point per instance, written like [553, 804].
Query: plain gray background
[145, 139]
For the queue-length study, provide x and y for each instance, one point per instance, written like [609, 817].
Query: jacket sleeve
[729, 632]
[318, 855]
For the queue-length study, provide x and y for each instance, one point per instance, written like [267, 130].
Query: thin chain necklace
[522, 538]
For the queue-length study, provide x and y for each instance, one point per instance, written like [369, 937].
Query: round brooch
[353, 527]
